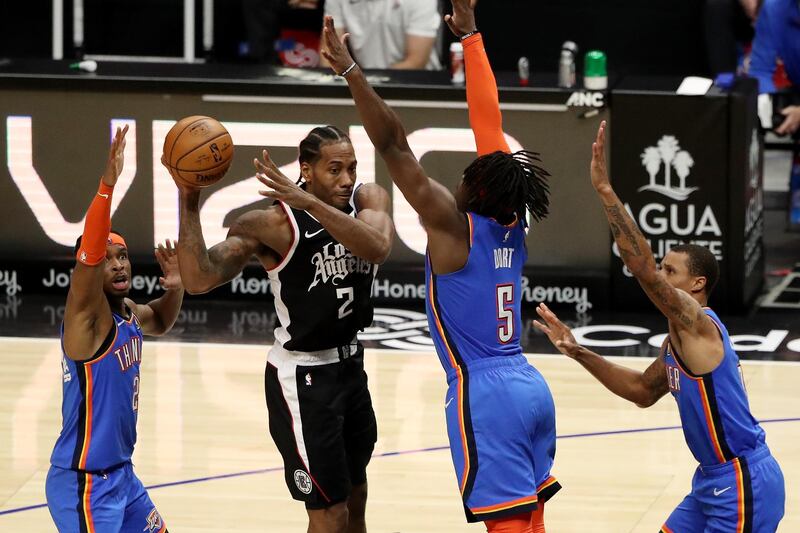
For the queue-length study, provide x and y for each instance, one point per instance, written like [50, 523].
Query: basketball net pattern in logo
[303, 481]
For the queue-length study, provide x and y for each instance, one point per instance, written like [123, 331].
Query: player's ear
[699, 284]
[306, 171]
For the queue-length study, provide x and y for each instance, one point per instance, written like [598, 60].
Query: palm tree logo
[668, 151]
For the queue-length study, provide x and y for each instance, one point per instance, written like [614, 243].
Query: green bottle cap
[594, 64]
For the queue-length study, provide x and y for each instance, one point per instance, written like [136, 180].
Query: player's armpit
[654, 380]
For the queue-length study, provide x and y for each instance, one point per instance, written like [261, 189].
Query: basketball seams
[205, 142]
[178, 136]
[190, 143]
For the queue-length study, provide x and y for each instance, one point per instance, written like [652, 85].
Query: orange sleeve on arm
[482, 99]
[96, 228]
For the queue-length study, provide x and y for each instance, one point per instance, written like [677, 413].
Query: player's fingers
[448, 19]
[541, 327]
[269, 182]
[270, 194]
[344, 39]
[268, 160]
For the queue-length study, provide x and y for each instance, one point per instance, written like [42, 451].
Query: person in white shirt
[389, 34]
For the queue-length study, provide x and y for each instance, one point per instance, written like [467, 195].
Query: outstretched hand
[167, 257]
[334, 48]
[558, 333]
[116, 157]
[462, 21]
[599, 169]
[279, 186]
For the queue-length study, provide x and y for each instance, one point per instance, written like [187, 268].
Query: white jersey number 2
[505, 313]
[347, 294]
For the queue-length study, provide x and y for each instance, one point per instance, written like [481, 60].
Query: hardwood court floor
[204, 445]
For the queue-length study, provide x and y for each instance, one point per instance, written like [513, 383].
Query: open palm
[558, 333]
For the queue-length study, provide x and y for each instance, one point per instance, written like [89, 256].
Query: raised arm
[693, 328]
[482, 98]
[434, 203]
[203, 269]
[87, 315]
[642, 388]
[158, 316]
[681, 309]
[368, 236]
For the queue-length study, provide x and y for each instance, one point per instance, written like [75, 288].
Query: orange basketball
[198, 151]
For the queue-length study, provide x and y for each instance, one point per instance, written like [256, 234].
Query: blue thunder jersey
[474, 313]
[100, 402]
[715, 413]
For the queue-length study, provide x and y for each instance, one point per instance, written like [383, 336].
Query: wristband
[348, 69]
[468, 34]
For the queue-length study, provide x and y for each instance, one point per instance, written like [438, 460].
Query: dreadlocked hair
[504, 186]
[311, 147]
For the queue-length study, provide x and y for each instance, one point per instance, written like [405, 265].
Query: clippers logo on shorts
[334, 263]
[303, 481]
[154, 522]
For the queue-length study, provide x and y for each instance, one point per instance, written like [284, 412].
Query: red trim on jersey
[292, 244]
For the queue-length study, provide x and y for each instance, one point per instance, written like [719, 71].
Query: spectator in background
[261, 27]
[283, 31]
[728, 23]
[389, 34]
[778, 37]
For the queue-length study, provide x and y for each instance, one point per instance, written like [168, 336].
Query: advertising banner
[53, 146]
[670, 167]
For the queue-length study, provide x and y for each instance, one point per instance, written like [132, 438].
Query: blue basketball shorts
[745, 495]
[104, 502]
[502, 429]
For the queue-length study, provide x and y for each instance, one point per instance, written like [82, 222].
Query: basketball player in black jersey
[320, 244]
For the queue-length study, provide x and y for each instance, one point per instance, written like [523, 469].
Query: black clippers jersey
[322, 291]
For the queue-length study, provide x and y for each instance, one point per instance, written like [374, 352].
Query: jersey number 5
[505, 313]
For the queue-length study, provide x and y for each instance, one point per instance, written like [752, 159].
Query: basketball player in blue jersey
[91, 486]
[320, 244]
[738, 487]
[499, 410]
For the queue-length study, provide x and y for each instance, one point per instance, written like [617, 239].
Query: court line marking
[264, 348]
[391, 454]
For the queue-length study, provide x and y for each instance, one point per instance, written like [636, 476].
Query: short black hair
[311, 147]
[701, 263]
[502, 186]
[80, 238]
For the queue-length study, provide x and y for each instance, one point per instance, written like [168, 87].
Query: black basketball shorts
[322, 421]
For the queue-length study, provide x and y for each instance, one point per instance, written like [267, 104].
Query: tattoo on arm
[665, 295]
[618, 220]
[655, 379]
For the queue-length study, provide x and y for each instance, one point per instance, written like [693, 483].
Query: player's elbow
[196, 286]
[646, 399]
[380, 252]
[642, 267]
